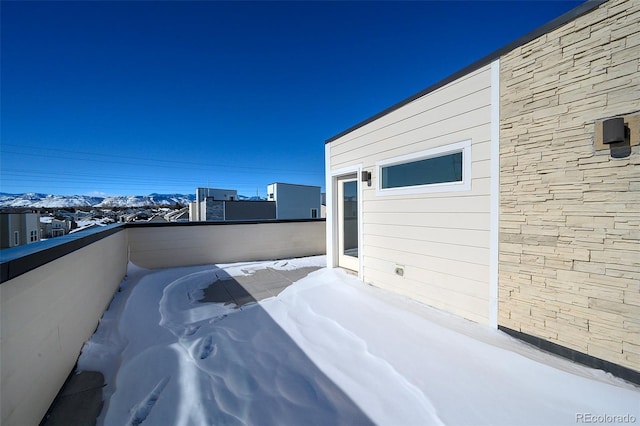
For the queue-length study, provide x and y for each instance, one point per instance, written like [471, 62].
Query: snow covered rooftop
[327, 350]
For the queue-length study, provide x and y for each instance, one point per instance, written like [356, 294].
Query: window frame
[465, 185]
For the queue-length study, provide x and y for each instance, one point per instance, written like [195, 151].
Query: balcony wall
[47, 313]
[193, 243]
[53, 294]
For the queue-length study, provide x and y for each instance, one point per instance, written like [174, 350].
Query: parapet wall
[53, 294]
[197, 243]
[46, 315]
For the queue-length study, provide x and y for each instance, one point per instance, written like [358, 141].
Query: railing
[52, 294]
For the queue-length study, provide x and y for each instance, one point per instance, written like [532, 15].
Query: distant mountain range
[32, 199]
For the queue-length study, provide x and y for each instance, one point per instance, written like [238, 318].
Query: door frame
[332, 214]
[345, 261]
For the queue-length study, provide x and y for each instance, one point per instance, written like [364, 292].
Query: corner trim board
[494, 208]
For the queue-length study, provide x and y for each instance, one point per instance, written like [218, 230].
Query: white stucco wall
[46, 315]
[162, 247]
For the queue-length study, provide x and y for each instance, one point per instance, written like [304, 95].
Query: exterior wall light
[616, 136]
[613, 130]
[366, 177]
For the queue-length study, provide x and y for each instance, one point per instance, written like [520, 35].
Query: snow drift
[327, 350]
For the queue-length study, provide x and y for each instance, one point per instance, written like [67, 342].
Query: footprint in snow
[141, 411]
[218, 318]
[191, 330]
[206, 347]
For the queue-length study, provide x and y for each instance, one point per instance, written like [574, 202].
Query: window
[16, 238]
[34, 236]
[314, 213]
[441, 169]
[446, 168]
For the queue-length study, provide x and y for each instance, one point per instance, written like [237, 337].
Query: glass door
[348, 223]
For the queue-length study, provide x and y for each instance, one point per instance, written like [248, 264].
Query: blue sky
[124, 98]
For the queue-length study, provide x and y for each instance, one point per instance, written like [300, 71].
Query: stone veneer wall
[569, 254]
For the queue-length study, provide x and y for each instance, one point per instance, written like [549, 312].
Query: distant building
[180, 215]
[219, 205]
[50, 227]
[197, 209]
[221, 210]
[18, 229]
[295, 201]
[157, 218]
[133, 215]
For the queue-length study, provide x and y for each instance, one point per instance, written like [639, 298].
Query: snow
[85, 224]
[37, 200]
[147, 200]
[328, 350]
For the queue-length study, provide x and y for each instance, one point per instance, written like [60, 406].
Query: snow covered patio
[326, 350]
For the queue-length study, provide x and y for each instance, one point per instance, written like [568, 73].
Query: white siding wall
[442, 239]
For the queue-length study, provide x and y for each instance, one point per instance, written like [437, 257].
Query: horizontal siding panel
[481, 169]
[463, 237]
[454, 220]
[480, 150]
[467, 254]
[480, 187]
[480, 153]
[470, 83]
[421, 204]
[427, 281]
[425, 124]
[466, 306]
[453, 267]
[479, 135]
[431, 134]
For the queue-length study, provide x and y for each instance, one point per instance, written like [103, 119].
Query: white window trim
[465, 185]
